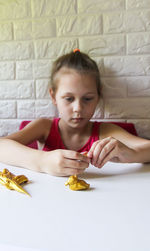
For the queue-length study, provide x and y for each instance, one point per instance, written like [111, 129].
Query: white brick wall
[116, 33]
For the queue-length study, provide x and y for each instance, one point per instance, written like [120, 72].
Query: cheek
[91, 108]
[63, 107]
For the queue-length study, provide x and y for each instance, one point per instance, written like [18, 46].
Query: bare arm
[116, 144]
[142, 153]
[35, 130]
[59, 162]
[13, 149]
[117, 132]
[14, 153]
[140, 146]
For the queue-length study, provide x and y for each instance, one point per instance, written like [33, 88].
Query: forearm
[14, 153]
[142, 153]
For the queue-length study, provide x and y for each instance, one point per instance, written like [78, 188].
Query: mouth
[77, 119]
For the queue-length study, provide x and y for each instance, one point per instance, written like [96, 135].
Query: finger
[72, 171]
[98, 149]
[68, 171]
[68, 154]
[108, 158]
[90, 152]
[74, 164]
[107, 152]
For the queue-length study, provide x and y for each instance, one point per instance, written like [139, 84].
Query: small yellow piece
[12, 182]
[76, 184]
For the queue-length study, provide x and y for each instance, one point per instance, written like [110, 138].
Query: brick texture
[116, 34]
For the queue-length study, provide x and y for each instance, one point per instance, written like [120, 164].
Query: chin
[78, 124]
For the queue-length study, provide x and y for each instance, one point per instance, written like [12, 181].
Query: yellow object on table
[12, 182]
[76, 184]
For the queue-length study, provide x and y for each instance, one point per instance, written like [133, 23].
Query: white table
[114, 215]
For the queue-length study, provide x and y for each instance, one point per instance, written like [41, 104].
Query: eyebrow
[70, 93]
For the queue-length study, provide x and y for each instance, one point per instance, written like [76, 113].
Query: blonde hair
[80, 62]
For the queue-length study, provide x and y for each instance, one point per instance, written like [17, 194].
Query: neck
[65, 129]
[74, 138]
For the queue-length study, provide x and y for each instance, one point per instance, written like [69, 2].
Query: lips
[77, 119]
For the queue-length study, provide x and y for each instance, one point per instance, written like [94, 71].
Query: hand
[64, 162]
[109, 149]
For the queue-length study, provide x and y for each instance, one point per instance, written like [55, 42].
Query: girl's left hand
[109, 149]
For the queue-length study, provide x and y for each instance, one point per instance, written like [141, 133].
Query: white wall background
[116, 33]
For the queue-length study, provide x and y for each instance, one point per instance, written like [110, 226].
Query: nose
[77, 106]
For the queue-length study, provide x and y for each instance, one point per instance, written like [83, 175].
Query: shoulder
[43, 125]
[110, 130]
[37, 129]
[40, 121]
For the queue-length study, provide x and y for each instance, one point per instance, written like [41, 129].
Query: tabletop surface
[113, 215]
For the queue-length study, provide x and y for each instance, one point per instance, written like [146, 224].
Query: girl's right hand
[63, 162]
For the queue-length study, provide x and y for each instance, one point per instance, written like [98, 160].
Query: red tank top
[54, 140]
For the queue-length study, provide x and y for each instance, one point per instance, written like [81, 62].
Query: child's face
[76, 97]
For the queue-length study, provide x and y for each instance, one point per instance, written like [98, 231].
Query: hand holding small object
[109, 149]
[64, 162]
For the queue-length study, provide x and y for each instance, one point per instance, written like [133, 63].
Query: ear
[52, 95]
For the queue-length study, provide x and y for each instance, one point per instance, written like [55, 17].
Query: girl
[75, 90]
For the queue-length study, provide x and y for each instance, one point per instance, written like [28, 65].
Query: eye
[69, 99]
[87, 99]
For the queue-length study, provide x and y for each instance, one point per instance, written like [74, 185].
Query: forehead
[70, 78]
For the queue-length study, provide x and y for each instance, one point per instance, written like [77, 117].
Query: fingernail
[89, 154]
